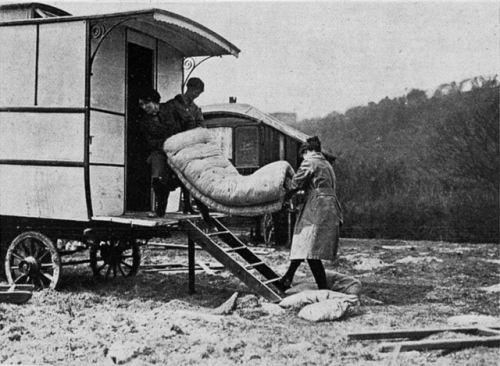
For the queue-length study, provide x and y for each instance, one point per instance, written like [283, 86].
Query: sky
[317, 57]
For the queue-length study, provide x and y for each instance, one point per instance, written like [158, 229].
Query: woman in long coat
[316, 233]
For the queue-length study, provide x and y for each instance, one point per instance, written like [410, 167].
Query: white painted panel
[17, 65]
[225, 137]
[42, 191]
[108, 72]
[107, 186]
[61, 75]
[170, 72]
[42, 136]
[174, 201]
[141, 39]
[107, 133]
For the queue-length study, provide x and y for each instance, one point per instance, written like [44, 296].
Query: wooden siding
[170, 72]
[17, 65]
[42, 136]
[107, 145]
[43, 192]
[61, 65]
[107, 187]
[108, 72]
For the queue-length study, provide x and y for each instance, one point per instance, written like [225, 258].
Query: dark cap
[196, 83]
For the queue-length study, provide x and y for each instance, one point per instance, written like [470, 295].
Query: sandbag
[335, 281]
[197, 158]
[304, 298]
[326, 310]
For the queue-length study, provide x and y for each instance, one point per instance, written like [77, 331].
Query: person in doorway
[183, 114]
[316, 232]
[162, 121]
[156, 129]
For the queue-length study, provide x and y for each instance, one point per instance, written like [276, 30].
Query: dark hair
[311, 144]
[196, 83]
[150, 95]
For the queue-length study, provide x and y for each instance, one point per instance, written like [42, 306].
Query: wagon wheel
[267, 227]
[115, 256]
[33, 259]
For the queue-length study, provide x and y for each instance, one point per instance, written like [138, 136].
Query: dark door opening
[139, 76]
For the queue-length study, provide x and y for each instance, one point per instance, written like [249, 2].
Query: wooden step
[245, 272]
[253, 265]
[236, 249]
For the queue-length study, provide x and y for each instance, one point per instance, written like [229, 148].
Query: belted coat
[316, 232]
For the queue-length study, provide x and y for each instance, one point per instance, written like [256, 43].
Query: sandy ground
[152, 319]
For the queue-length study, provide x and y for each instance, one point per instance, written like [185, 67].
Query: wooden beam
[410, 333]
[442, 344]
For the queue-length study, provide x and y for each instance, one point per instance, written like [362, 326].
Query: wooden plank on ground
[442, 344]
[409, 333]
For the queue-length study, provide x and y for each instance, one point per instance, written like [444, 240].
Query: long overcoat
[316, 232]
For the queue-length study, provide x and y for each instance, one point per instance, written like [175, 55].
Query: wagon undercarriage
[39, 249]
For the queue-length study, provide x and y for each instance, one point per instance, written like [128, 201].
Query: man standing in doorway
[183, 114]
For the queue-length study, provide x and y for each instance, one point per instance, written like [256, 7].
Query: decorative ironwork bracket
[99, 31]
[190, 64]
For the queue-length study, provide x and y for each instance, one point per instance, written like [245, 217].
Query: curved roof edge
[157, 20]
[249, 111]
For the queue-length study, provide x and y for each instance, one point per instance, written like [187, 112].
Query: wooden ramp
[230, 251]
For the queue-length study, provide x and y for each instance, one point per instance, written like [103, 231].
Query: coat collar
[316, 155]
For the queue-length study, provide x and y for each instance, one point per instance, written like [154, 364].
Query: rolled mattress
[196, 156]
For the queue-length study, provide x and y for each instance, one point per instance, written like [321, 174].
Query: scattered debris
[122, 352]
[398, 247]
[496, 261]
[474, 320]
[368, 301]
[176, 268]
[493, 288]
[415, 260]
[227, 307]
[489, 338]
[369, 264]
[272, 309]
[248, 302]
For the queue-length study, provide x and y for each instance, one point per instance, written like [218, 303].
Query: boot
[186, 202]
[285, 282]
[318, 272]
[161, 193]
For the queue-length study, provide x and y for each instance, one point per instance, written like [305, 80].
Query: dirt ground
[151, 319]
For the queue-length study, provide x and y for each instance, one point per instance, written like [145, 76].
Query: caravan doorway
[140, 75]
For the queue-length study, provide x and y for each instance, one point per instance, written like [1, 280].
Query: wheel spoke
[108, 271]
[17, 256]
[127, 264]
[26, 246]
[114, 270]
[46, 275]
[47, 265]
[122, 271]
[99, 269]
[43, 255]
[22, 276]
[21, 250]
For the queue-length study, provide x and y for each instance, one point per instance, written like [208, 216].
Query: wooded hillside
[417, 166]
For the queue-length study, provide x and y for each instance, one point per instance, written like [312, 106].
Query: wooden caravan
[69, 142]
[251, 139]
[71, 155]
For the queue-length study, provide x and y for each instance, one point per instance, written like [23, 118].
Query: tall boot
[161, 193]
[286, 281]
[318, 272]
[186, 202]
